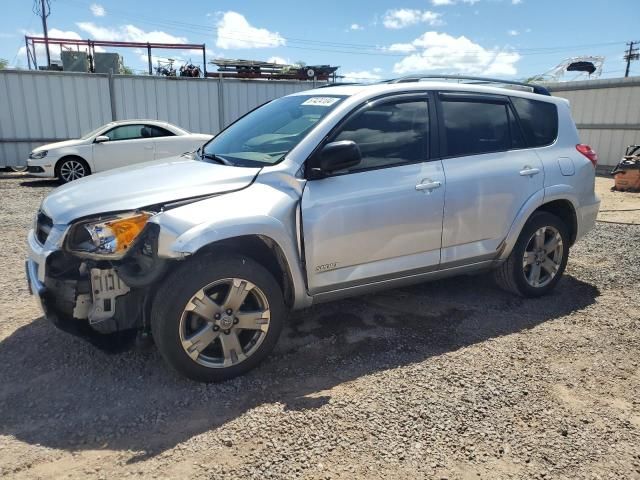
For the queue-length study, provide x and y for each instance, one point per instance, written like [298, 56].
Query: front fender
[546, 195]
[258, 210]
[83, 151]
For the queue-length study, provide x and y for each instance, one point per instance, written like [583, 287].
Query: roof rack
[481, 80]
[339, 84]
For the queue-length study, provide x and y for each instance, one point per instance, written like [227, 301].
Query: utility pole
[632, 54]
[42, 8]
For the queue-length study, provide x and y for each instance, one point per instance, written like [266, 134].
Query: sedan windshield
[90, 134]
[267, 134]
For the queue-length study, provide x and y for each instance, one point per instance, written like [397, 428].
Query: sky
[369, 39]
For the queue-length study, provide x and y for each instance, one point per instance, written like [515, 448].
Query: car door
[383, 218]
[127, 144]
[490, 175]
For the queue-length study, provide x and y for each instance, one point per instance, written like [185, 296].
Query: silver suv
[319, 195]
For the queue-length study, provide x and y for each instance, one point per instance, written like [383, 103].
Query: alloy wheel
[224, 323]
[72, 170]
[543, 256]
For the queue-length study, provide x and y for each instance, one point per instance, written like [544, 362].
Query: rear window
[539, 121]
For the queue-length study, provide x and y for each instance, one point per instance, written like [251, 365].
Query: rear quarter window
[160, 132]
[539, 121]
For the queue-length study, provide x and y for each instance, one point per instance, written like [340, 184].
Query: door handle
[428, 185]
[148, 147]
[528, 171]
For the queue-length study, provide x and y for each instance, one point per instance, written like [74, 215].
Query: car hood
[66, 143]
[143, 185]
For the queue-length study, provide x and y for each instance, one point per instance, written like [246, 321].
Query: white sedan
[113, 145]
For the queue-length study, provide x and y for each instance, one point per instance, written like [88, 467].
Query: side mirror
[101, 139]
[333, 157]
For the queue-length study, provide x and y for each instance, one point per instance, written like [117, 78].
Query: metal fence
[606, 112]
[44, 107]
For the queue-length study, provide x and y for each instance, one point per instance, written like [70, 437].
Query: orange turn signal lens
[126, 230]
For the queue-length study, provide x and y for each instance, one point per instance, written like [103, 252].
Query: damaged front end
[96, 278]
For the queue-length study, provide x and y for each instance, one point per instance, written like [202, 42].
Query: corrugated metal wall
[607, 113]
[40, 108]
[188, 103]
[43, 107]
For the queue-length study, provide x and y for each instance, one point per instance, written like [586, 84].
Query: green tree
[3, 63]
[126, 70]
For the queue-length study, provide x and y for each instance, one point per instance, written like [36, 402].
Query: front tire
[72, 168]
[538, 258]
[216, 318]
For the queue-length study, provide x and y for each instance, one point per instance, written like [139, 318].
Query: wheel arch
[56, 168]
[558, 200]
[262, 249]
[566, 211]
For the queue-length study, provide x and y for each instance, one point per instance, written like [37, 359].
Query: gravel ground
[453, 379]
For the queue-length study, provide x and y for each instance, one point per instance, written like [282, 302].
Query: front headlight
[110, 237]
[38, 155]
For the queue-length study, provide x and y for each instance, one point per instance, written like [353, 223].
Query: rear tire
[72, 168]
[216, 318]
[538, 258]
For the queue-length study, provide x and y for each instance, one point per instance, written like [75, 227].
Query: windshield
[267, 134]
[86, 136]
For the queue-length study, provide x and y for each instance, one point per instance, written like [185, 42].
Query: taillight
[588, 152]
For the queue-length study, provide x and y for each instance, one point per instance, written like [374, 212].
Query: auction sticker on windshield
[321, 101]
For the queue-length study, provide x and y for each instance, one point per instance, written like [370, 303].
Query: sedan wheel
[72, 169]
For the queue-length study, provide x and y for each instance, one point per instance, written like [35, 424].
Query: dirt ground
[617, 206]
[452, 379]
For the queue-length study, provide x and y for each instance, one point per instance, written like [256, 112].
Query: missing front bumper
[57, 299]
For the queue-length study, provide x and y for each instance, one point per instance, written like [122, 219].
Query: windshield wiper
[216, 158]
[191, 153]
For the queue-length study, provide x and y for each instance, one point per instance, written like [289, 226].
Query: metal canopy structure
[31, 42]
[585, 68]
[238, 68]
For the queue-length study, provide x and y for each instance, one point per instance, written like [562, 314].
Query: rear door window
[539, 121]
[474, 127]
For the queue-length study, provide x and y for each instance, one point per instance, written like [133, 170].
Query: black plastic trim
[473, 97]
